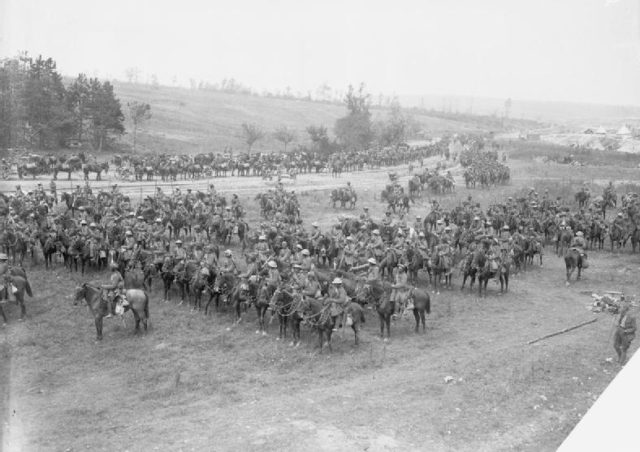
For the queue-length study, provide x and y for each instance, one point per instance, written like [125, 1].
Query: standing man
[625, 331]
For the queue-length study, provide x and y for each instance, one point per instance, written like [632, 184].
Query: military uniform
[625, 333]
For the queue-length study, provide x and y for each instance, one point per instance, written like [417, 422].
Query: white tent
[624, 130]
[601, 131]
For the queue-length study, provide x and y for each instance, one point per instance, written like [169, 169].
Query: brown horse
[317, 314]
[18, 285]
[421, 306]
[379, 295]
[572, 261]
[138, 304]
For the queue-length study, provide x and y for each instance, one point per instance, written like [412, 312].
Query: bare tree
[252, 133]
[139, 112]
[284, 135]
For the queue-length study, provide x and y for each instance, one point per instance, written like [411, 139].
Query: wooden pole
[566, 330]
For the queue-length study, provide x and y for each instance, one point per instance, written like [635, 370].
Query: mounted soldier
[400, 289]
[115, 289]
[579, 244]
[227, 264]
[376, 245]
[338, 300]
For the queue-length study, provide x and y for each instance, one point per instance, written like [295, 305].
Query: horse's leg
[416, 315]
[388, 322]
[423, 315]
[136, 316]
[4, 317]
[98, 322]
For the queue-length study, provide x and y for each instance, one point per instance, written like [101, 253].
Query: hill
[185, 120]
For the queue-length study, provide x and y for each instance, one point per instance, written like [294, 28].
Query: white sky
[565, 50]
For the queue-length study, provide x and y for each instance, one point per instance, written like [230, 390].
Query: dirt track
[196, 384]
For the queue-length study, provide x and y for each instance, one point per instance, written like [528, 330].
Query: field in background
[195, 383]
[186, 120]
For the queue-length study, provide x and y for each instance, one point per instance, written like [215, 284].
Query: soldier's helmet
[93, 225]
[337, 281]
[227, 253]
[273, 264]
[372, 261]
[305, 252]
[579, 234]
[83, 222]
[4, 257]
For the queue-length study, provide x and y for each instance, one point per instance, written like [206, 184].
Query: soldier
[199, 236]
[210, 256]
[252, 267]
[179, 251]
[262, 248]
[316, 234]
[376, 245]
[227, 264]
[307, 263]
[284, 257]
[418, 225]
[338, 302]
[53, 190]
[579, 244]
[400, 289]
[114, 288]
[349, 254]
[373, 271]
[505, 240]
[311, 286]
[365, 216]
[19, 192]
[625, 331]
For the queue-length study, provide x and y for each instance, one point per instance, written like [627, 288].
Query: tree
[139, 112]
[397, 127]
[284, 135]
[132, 74]
[79, 103]
[45, 104]
[252, 133]
[354, 130]
[106, 113]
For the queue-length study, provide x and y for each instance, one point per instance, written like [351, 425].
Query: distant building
[588, 131]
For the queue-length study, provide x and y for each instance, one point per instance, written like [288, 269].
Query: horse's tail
[27, 286]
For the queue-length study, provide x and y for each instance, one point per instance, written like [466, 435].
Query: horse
[199, 283]
[441, 266]
[618, 237]
[289, 308]
[379, 295]
[388, 263]
[318, 315]
[531, 248]
[18, 285]
[78, 250]
[224, 285]
[421, 306]
[487, 271]
[572, 261]
[138, 304]
[468, 271]
[563, 241]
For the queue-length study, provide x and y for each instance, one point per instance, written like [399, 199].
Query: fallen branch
[566, 330]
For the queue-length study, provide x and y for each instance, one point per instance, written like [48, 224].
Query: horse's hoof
[257, 331]
[264, 333]
[277, 338]
[386, 339]
[291, 344]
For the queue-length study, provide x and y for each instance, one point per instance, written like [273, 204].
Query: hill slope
[186, 120]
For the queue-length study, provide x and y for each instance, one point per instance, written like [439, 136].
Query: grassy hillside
[192, 121]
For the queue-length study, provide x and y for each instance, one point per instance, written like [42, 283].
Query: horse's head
[80, 293]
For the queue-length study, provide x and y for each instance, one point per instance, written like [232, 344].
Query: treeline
[356, 131]
[38, 111]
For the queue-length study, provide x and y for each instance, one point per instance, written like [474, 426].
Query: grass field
[202, 121]
[195, 383]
